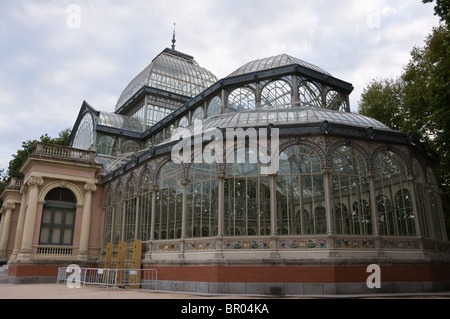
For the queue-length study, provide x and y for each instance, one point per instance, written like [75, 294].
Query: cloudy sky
[55, 54]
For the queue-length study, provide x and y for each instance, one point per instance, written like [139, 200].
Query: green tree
[383, 100]
[441, 9]
[419, 101]
[29, 146]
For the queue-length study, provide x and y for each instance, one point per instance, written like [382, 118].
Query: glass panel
[247, 197]
[47, 216]
[300, 192]
[169, 202]
[336, 101]
[405, 214]
[67, 240]
[276, 93]
[214, 107]
[56, 235]
[58, 217]
[70, 214]
[44, 237]
[241, 99]
[198, 114]
[84, 136]
[310, 95]
[390, 175]
[350, 186]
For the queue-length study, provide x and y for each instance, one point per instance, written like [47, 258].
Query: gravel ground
[61, 291]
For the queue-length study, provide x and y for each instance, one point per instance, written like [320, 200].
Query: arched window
[169, 202]
[247, 196]
[198, 114]
[130, 210]
[310, 95]
[145, 206]
[105, 145]
[300, 191]
[107, 217]
[118, 216]
[241, 99]
[386, 218]
[184, 122]
[405, 213]
[336, 101]
[436, 206]
[390, 175]
[421, 194]
[276, 94]
[130, 146]
[84, 137]
[350, 184]
[202, 200]
[58, 218]
[215, 107]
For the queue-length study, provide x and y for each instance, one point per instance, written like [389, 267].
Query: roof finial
[173, 38]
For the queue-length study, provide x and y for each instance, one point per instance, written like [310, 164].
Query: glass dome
[120, 122]
[171, 71]
[292, 115]
[274, 62]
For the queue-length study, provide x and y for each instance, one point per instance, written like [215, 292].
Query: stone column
[89, 188]
[20, 222]
[30, 218]
[328, 203]
[220, 215]
[184, 183]
[8, 208]
[327, 183]
[273, 216]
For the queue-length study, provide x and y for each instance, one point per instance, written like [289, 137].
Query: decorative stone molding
[9, 205]
[90, 187]
[35, 181]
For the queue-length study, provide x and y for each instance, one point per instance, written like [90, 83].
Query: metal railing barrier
[116, 278]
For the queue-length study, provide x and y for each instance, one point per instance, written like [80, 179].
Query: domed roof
[273, 62]
[280, 116]
[171, 71]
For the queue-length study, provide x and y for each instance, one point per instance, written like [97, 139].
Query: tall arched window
[436, 206]
[130, 210]
[169, 202]
[202, 200]
[58, 218]
[118, 216]
[241, 99]
[276, 94]
[107, 217]
[421, 194]
[405, 213]
[390, 176]
[350, 185]
[145, 206]
[247, 197]
[300, 192]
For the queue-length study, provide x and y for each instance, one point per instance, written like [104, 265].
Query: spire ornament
[173, 37]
